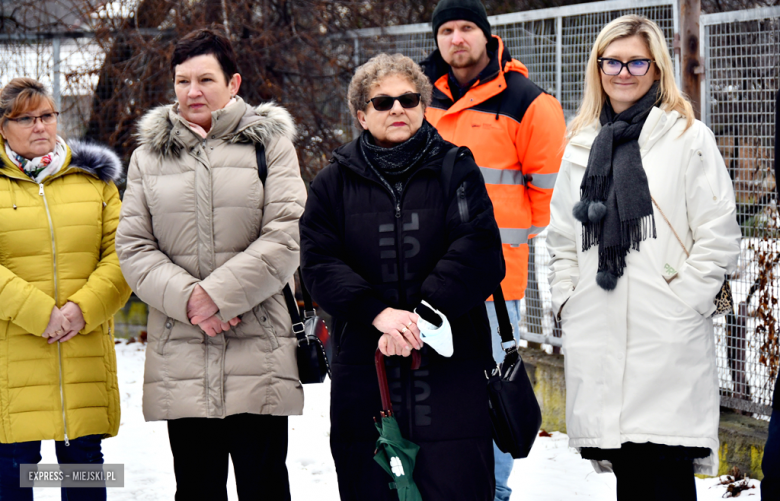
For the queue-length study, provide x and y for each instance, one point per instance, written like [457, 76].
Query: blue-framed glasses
[613, 67]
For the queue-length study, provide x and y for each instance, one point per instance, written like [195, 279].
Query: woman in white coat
[634, 300]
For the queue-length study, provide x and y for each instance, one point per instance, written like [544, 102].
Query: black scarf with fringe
[615, 207]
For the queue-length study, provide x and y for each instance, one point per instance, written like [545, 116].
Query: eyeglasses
[635, 67]
[29, 121]
[384, 103]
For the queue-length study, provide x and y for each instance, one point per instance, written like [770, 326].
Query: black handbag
[514, 410]
[312, 361]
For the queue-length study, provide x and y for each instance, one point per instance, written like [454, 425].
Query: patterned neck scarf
[39, 168]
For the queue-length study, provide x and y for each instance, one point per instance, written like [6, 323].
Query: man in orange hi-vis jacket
[483, 99]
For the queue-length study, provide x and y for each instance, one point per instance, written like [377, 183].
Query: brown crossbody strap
[670, 226]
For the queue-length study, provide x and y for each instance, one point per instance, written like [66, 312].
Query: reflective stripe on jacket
[516, 132]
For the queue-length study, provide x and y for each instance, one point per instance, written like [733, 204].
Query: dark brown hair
[202, 42]
[21, 95]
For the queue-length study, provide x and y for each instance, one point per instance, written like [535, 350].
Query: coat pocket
[685, 307]
[560, 310]
[266, 326]
[166, 333]
[566, 301]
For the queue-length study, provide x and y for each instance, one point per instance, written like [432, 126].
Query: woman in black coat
[384, 229]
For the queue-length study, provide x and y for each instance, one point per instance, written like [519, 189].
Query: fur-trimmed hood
[95, 159]
[259, 125]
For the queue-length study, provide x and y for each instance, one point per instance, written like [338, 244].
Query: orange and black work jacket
[516, 132]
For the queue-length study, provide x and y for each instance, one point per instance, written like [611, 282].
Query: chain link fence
[741, 50]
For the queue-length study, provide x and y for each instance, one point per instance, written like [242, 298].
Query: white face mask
[439, 338]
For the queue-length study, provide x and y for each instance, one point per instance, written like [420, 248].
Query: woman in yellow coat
[60, 285]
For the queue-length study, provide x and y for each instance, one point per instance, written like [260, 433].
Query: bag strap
[308, 304]
[447, 169]
[504, 325]
[670, 226]
[292, 305]
[292, 308]
[262, 165]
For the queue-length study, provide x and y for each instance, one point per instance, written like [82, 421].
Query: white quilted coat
[640, 360]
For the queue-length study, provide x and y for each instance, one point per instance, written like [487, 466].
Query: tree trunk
[106, 118]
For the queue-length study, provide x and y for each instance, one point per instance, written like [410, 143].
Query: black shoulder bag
[312, 362]
[514, 410]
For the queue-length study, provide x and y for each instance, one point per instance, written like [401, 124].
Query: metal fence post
[558, 58]
[690, 11]
[676, 25]
[55, 77]
[356, 60]
[705, 92]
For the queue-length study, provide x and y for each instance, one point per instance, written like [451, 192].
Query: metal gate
[741, 50]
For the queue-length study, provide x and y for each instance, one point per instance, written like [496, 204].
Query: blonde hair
[22, 95]
[379, 67]
[594, 97]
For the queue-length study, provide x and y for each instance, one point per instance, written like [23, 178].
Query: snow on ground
[552, 472]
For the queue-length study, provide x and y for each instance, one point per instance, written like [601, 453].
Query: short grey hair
[379, 67]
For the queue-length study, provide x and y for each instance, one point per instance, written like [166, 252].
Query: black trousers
[256, 444]
[655, 480]
[651, 472]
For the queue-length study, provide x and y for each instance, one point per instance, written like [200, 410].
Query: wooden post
[692, 68]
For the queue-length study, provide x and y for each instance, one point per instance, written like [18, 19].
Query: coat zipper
[463, 205]
[56, 300]
[402, 299]
[401, 281]
[399, 221]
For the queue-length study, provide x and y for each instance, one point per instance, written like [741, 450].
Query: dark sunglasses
[384, 103]
[613, 67]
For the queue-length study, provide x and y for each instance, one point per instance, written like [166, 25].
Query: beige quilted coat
[195, 212]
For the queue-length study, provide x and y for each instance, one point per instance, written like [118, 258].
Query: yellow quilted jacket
[57, 245]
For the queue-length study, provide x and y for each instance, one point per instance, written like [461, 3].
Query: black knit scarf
[397, 162]
[615, 208]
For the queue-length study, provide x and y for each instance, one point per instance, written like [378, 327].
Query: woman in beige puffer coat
[197, 222]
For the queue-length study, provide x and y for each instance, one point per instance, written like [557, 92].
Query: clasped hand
[64, 323]
[202, 311]
[399, 332]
